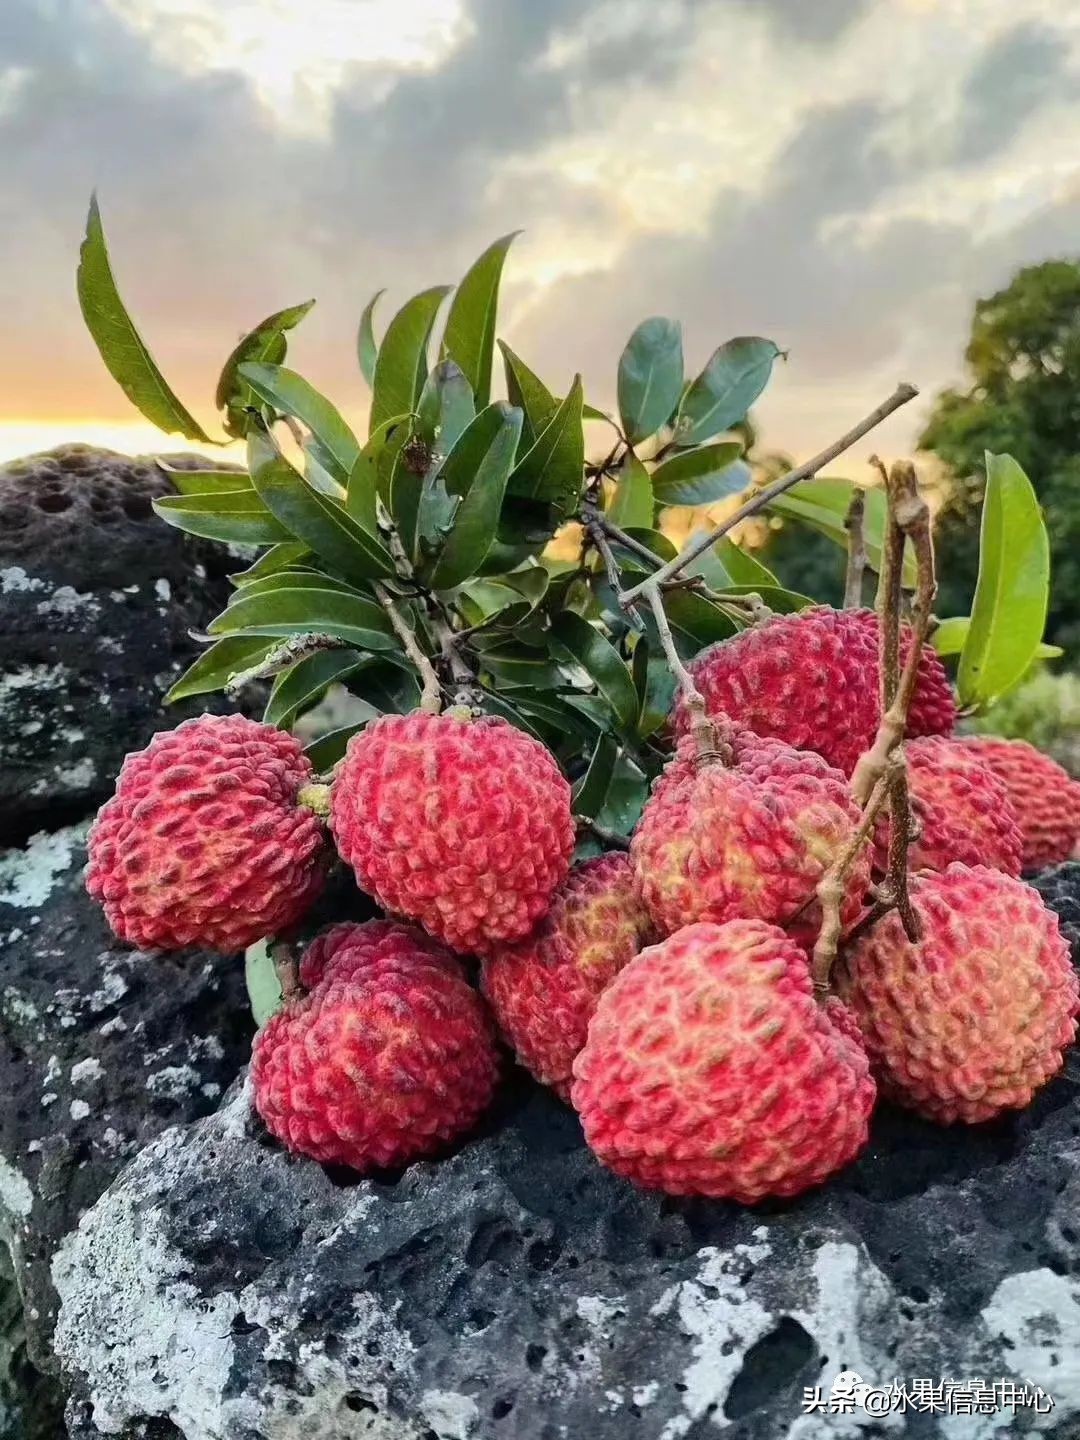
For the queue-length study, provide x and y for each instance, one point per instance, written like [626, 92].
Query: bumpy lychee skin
[811, 680]
[544, 989]
[962, 809]
[711, 1070]
[204, 842]
[390, 1058]
[462, 825]
[749, 841]
[971, 1020]
[1045, 797]
[350, 948]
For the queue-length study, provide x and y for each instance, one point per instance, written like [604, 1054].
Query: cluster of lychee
[665, 992]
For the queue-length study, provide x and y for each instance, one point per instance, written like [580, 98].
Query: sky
[843, 176]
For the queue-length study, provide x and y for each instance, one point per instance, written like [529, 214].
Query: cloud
[733, 162]
[1020, 72]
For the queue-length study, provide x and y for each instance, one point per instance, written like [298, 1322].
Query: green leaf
[238, 517]
[499, 705]
[741, 567]
[328, 749]
[446, 407]
[529, 393]
[405, 499]
[320, 522]
[563, 718]
[263, 985]
[591, 790]
[631, 506]
[401, 369]
[319, 469]
[290, 393]
[126, 358]
[509, 598]
[734, 377]
[700, 620]
[212, 669]
[822, 504]
[293, 580]
[627, 793]
[306, 682]
[650, 376]
[521, 666]
[654, 683]
[1008, 614]
[470, 326]
[266, 344]
[951, 635]
[207, 482]
[698, 477]
[278, 557]
[363, 491]
[552, 469]
[596, 654]
[477, 469]
[291, 611]
[366, 349]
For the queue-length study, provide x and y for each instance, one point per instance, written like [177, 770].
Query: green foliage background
[1024, 360]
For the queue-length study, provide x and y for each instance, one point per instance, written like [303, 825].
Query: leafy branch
[691, 552]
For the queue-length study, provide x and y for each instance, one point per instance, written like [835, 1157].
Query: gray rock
[97, 596]
[101, 1048]
[221, 1290]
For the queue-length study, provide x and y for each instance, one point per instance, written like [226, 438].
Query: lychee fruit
[544, 989]
[1045, 797]
[205, 842]
[710, 1069]
[389, 1058]
[342, 950]
[962, 809]
[747, 841]
[461, 824]
[970, 1020]
[811, 679]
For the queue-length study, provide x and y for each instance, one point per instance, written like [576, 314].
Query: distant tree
[1024, 360]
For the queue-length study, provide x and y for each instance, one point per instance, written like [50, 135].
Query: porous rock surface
[221, 1290]
[97, 596]
[101, 1048]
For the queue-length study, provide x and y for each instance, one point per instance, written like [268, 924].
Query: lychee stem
[431, 693]
[297, 647]
[704, 732]
[856, 563]
[881, 773]
[286, 969]
[598, 530]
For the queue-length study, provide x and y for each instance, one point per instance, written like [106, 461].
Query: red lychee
[711, 1070]
[204, 842]
[343, 950]
[962, 809]
[971, 1020]
[462, 825]
[811, 680]
[544, 989]
[751, 840]
[1045, 797]
[389, 1058]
